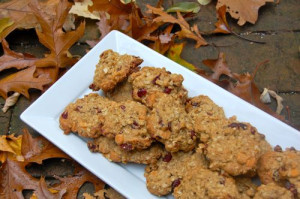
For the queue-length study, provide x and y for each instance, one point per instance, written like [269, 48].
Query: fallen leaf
[4, 23]
[114, 8]
[81, 9]
[53, 37]
[185, 31]
[174, 54]
[184, 7]
[22, 16]
[104, 28]
[10, 101]
[22, 81]
[10, 147]
[219, 68]
[222, 24]
[164, 41]
[11, 59]
[104, 194]
[14, 178]
[244, 11]
[204, 2]
[44, 192]
[266, 95]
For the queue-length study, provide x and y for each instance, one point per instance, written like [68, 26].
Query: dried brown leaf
[244, 11]
[10, 101]
[185, 32]
[22, 81]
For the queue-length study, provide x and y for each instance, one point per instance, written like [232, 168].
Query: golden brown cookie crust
[112, 69]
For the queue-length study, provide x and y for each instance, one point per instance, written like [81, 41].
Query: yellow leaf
[174, 54]
[4, 23]
[10, 147]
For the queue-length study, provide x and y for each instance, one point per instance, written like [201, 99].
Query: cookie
[122, 92]
[162, 176]
[246, 187]
[273, 191]
[204, 116]
[281, 167]
[167, 123]
[203, 183]
[126, 123]
[112, 69]
[115, 153]
[150, 79]
[85, 116]
[235, 148]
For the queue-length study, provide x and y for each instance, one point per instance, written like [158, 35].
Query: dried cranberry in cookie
[149, 80]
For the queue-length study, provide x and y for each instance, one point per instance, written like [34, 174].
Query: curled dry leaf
[10, 101]
[185, 32]
[222, 24]
[10, 147]
[265, 98]
[244, 11]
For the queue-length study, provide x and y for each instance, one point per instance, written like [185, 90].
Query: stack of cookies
[189, 146]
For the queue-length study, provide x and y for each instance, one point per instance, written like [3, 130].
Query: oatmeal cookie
[273, 191]
[85, 116]
[122, 92]
[168, 171]
[203, 183]
[150, 79]
[126, 123]
[204, 116]
[235, 148]
[281, 167]
[167, 123]
[115, 153]
[112, 69]
[246, 187]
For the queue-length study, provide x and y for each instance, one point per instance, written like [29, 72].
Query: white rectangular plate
[128, 179]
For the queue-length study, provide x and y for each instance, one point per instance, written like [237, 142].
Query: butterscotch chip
[246, 187]
[126, 123]
[203, 183]
[115, 153]
[272, 190]
[112, 69]
[85, 116]
[167, 123]
[149, 80]
[235, 148]
[122, 92]
[168, 171]
[281, 167]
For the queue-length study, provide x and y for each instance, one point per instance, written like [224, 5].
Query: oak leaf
[21, 81]
[11, 59]
[22, 16]
[53, 37]
[244, 11]
[10, 147]
[114, 8]
[185, 32]
[4, 23]
[164, 40]
[81, 9]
